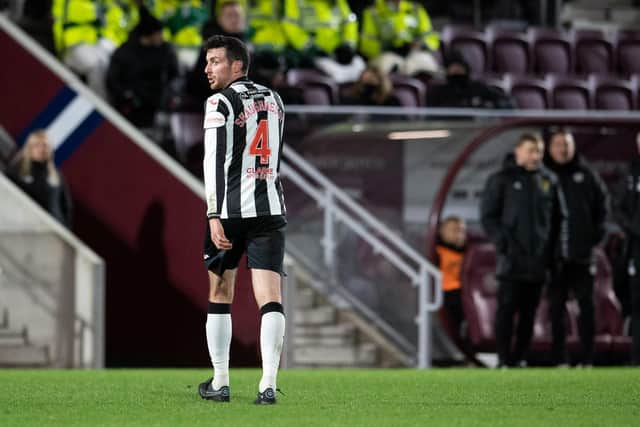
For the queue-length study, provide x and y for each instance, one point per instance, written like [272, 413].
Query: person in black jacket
[35, 172]
[460, 91]
[140, 71]
[628, 215]
[587, 205]
[522, 212]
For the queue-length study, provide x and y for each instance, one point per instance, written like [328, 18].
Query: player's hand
[217, 235]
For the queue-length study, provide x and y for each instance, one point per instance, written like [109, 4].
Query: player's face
[562, 148]
[528, 155]
[218, 69]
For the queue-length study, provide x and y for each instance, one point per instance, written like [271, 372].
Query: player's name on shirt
[253, 108]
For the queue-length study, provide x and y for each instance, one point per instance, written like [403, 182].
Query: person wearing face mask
[140, 71]
[522, 212]
[36, 174]
[460, 91]
[374, 88]
[587, 205]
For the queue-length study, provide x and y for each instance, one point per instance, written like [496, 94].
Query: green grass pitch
[447, 397]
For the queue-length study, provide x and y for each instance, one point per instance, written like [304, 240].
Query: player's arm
[216, 114]
[491, 212]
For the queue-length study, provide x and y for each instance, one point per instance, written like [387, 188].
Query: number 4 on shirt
[260, 144]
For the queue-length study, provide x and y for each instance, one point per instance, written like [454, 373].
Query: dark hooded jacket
[460, 91]
[587, 205]
[522, 213]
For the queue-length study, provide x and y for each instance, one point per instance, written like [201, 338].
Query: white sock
[271, 339]
[218, 329]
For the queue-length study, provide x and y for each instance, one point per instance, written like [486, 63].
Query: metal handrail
[338, 205]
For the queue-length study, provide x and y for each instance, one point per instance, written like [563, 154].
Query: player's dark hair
[528, 137]
[235, 48]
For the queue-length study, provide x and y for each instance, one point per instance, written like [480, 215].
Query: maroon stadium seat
[593, 53]
[510, 53]
[551, 51]
[529, 92]
[612, 93]
[570, 93]
[410, 92]
[628, 52]
[479, 294]
[187, 131]
[471, 44]
[317, 89]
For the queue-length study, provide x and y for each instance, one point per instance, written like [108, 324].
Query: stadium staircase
[330, 333]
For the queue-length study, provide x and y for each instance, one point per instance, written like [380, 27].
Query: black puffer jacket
[55, 199]
[628, 208]
[587, 205]
[523, 212]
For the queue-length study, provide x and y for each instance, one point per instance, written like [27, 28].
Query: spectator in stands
[83, 39]
[140, 70]
[182, 21]
[265, 32]
[229, 21]
[628, 215]
[35, 172]
[373, 88]
[587, 205]
[271, 73]
[461, 91]
[452, 237]
[522, 212]
[37, 21]
[323, 34]
[397, 36]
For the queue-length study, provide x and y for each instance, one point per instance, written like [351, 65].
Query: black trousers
[521, 298]
[577, 278]
[455, 312]
[635, 310]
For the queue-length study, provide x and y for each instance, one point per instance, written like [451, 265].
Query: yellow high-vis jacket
[325, 24]
[385, 28]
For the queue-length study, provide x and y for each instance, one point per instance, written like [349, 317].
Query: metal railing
[338, 206]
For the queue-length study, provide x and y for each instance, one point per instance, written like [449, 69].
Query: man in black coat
[140, 71]
[522, 212]
[587, 203]
[628, 215]
[460, 91]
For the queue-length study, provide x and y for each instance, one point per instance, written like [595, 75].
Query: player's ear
[236, 66]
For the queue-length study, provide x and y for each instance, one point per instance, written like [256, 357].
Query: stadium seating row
[544, 50]
[479, 301]
[553, 91]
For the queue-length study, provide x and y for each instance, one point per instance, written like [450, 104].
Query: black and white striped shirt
[242, 147]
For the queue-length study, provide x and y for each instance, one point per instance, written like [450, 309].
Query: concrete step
[360, 356]
[324, 315]
[343, 329]
[305, 298]
[23, 356]
[13, 337]
[334, 341]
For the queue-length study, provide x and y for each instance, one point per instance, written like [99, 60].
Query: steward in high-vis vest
[86, 32]
[324, 34]
[397, 36]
